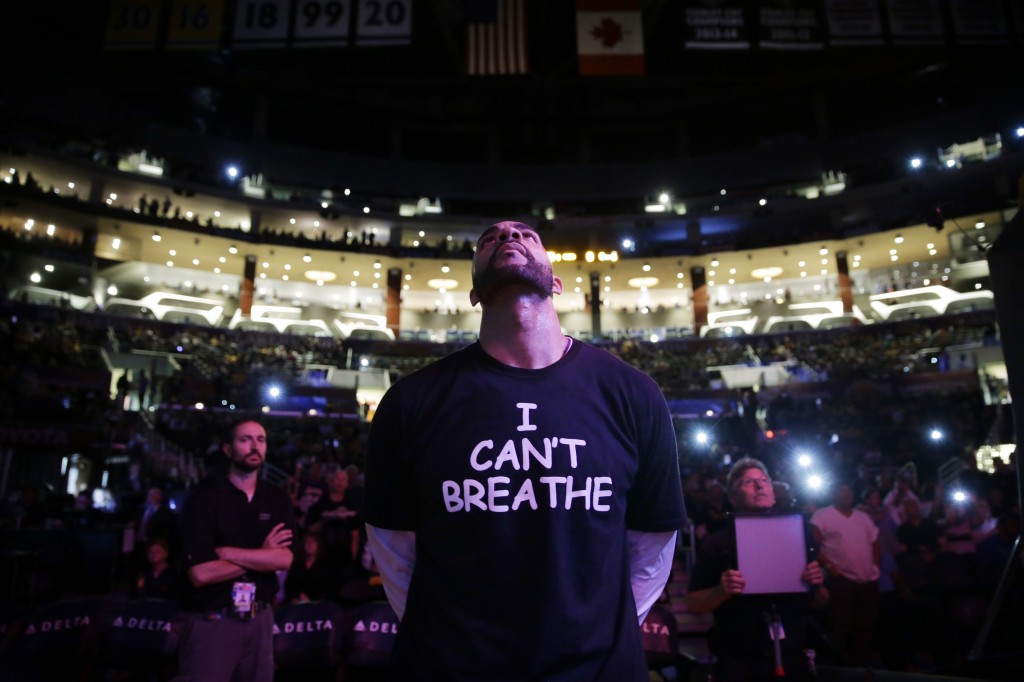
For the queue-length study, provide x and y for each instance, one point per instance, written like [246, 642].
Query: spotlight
[701, 437]
[804, 460]
[936, 435]
[815, 482]
[915, 163]
[231, 172]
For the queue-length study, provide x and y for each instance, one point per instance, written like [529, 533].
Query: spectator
[918, 545]
[740, 639]
[784, 499]
[848, 541]
[902, 490]
[334, 516]
[311, 577]
[155, 521]
[237, 534]
[308, 497]
[158, 579]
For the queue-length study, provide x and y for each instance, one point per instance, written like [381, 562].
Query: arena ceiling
[415, 104]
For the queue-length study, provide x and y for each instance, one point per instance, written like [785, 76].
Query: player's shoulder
[614, 368]
[446, 366]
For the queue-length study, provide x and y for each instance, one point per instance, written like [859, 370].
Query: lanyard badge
[243, 598]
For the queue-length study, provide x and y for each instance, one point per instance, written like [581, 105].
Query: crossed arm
[231, 562]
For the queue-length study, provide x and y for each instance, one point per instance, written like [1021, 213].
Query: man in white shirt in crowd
[848, 550]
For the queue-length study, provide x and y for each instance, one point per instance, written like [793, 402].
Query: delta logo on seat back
[376, 626]
[148, 624]
[59, 624]
[303, 626]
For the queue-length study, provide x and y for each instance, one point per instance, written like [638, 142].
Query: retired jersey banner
[790, 25]
[195, 24]
[980, 22]
[261, 23]
[714, 25]
[495, 37]
[609, 37]
[854, 22]
[132, 25]
[321, 23]
[915, 22]
[384, 22]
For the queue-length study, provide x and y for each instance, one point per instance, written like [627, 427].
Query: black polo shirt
[218, 514]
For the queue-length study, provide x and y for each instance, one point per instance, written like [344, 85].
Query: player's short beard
[534, 275]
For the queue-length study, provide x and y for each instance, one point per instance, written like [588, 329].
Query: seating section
[142, 635]
[308, 636]
[372, 637]
[111, 637]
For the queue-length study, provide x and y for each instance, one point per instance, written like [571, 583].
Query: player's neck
[523, 334]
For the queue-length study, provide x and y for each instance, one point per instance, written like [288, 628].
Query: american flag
[495, 37]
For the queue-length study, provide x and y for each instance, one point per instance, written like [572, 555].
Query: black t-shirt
[319, 581]
[924, 536]
[740, 625]
[351, 501]
[520, 485]
[218, 514]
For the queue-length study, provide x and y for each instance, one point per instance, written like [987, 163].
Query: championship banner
[915, 22]
[195, 24]
[384, 22]
[713, 25]
[790, 25]
[979, 22]
[320, 23]
[132, 25]
[610, 37]
[854, 23]
[261, 23]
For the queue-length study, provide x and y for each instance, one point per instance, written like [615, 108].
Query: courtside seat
[371, 639]
[661, 642]
[308, 639]
[142, 635]
[60, 639]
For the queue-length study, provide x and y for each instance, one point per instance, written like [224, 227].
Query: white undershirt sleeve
[650, 564]
[394, 553]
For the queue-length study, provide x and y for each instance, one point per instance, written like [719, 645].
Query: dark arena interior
[799, 217]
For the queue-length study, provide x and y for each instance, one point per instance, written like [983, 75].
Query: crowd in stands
[166, 213]
[37, 241]
[942, 557]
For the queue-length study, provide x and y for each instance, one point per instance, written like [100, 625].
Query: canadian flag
[609, 34]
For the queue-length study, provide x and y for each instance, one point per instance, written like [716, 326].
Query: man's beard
[243, 465]
[534, 275]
